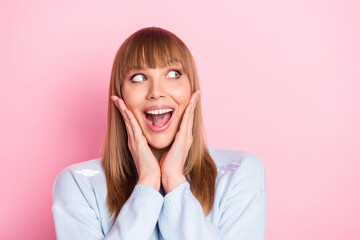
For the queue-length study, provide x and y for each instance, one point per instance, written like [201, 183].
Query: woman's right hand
[146, 163]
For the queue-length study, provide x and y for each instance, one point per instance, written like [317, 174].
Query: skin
[159, 157]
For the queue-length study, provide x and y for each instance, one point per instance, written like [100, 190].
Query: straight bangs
[153, 48]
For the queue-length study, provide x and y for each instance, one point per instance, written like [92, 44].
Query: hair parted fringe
[152, 47]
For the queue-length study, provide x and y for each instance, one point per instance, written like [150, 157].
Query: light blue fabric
[239, 210]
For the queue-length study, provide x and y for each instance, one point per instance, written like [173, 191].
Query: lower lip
[160, 129]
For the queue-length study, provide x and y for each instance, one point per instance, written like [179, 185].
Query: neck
[158, 153]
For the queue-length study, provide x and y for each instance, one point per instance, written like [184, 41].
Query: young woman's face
[150, 88]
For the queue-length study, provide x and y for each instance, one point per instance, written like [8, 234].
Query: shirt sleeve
[75, 218]
[243, 213]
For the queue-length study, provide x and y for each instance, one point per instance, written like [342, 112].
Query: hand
[146, 163]
[172, 162]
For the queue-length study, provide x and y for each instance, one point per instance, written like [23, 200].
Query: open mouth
[157, 118]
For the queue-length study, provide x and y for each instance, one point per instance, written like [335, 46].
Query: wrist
[153, 182]
[171, 181]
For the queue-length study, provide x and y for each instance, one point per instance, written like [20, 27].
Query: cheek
[132, 98]
[181, 93]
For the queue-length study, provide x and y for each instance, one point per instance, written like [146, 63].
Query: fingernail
[112, 98]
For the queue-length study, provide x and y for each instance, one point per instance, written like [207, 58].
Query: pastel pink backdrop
[280, 79]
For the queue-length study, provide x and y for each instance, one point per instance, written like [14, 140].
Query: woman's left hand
[172, 162]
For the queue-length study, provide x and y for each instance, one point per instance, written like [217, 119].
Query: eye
[174, 74]
[137, 77]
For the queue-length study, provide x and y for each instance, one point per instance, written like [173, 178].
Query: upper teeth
[160, 111]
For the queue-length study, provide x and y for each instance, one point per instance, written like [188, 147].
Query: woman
[157, 178]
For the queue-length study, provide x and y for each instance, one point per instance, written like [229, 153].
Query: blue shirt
[239, 210]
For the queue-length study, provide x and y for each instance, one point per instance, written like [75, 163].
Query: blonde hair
[152, 47]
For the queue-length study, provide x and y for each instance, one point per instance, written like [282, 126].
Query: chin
[160, 144]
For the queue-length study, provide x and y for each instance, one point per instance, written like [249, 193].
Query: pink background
[280, 79]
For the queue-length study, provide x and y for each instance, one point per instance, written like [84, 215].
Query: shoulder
[76, 180]
[236, 166]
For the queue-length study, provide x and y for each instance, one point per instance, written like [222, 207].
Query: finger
[129, 127]
[122, 108]
[191, 119]
[131, 121]
[134, 123]
[185, 120]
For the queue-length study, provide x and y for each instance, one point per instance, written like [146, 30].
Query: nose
[156, 89]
